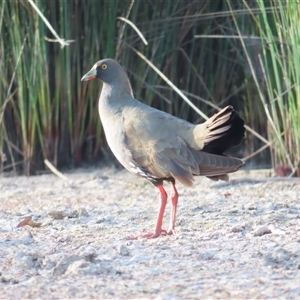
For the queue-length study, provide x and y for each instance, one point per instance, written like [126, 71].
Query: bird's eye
[104, 67]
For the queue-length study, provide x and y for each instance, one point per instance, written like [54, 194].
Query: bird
[160, 147]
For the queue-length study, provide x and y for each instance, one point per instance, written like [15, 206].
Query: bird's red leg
[163, 201]
[174, 199]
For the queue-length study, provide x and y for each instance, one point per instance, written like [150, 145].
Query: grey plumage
[158, 146]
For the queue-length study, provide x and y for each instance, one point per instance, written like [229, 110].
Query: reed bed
[200, 46]
[275, 72]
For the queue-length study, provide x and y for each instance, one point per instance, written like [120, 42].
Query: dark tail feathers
[231, 137]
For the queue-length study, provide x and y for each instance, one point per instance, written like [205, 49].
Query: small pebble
[23, 260]
[63, 264]
[206, 255]
[281, 254]
[57, 215]
[77, 266]
[122, 250]
[89, 253]
[237, 228]
[82, 212]
[261, 230]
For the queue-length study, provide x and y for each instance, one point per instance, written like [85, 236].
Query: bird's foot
[171, 231]
[150, 235]
[153, 235]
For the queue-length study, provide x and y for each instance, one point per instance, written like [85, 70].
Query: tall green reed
[276, 70]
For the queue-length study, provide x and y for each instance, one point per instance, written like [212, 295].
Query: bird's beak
[89, 75]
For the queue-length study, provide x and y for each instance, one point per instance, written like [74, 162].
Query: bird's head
[107, 70]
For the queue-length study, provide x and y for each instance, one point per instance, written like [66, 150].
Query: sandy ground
[234, 240]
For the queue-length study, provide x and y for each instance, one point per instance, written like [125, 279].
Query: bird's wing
[157, 148]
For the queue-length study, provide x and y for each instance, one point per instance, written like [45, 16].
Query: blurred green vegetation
[243, 53]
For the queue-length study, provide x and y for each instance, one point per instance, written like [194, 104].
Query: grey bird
[160, 147]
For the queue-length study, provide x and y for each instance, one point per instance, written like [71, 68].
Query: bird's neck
[120, 83]
[114, 97]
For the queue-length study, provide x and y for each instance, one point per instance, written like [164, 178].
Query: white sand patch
[239, 239]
